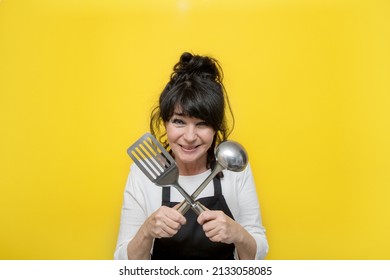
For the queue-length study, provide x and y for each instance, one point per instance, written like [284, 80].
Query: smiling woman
[190, 120]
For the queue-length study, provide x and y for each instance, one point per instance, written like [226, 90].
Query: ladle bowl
[231, 155]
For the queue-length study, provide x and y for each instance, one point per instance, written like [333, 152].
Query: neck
[193, 168]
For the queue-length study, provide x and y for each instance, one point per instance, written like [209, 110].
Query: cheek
[209, 136]
[172, 133]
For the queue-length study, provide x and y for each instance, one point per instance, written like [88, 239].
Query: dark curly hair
[196, 87]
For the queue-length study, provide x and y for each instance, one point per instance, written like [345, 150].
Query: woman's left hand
[219, 227]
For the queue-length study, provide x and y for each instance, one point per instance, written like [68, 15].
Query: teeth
[189, 148]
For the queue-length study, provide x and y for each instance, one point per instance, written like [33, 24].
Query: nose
[190, 134]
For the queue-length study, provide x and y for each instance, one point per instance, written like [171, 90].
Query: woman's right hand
[164, 222]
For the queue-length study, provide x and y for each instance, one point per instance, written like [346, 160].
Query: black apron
[190, 242]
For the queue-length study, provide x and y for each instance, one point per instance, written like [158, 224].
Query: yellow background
[309, 86]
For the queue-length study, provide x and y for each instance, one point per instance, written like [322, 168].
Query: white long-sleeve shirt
[142, 198]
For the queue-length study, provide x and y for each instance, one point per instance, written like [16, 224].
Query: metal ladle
[229, 155]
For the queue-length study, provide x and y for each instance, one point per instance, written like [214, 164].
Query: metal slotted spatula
[159, 166]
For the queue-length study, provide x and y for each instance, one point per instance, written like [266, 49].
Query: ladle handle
[185, 206]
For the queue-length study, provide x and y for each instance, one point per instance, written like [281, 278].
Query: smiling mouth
[191, 148]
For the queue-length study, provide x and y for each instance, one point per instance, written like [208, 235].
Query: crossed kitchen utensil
[160, 167]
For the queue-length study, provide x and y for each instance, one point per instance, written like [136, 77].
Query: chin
[188, 159]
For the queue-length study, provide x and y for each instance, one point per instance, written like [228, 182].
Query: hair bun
[202, 66]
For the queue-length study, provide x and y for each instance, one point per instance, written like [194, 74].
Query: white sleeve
[249, 215]
[133, 214]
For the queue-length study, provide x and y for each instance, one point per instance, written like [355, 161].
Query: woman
[190, 120]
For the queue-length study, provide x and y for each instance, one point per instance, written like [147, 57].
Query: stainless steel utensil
[159, 166]
[230, 155]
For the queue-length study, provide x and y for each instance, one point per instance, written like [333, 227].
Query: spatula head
[153, 160]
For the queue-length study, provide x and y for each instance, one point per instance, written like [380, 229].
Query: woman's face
[189, 138]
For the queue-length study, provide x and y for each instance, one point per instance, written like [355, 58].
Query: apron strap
[166, 195]
[217, 186]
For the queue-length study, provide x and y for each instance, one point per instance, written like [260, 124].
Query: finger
[172, 224]
[219, 234]
[170, 231]
[165, 228]
[213, 235]
[176, 216]
[214, 231]
[165, 222]
[214, 227]
[165, 212]
[219, 222]
[209, 225]
[206, 216]
[161, 233]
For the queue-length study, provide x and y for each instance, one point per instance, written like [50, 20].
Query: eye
[202, 123]
[177, 121]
